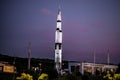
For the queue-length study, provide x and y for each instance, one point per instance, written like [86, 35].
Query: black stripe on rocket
[59, 30]
[59, 21]
[59, 45]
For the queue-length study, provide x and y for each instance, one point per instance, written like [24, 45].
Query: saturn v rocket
[58, 43]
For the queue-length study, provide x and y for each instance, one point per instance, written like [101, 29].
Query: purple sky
[86, 24]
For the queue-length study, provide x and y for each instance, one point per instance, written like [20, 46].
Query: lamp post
[40, 64]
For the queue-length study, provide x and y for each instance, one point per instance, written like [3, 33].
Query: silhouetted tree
[118, 70]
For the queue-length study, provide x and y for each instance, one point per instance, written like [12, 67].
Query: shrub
[25, 76]
[110, 77]
[43, 76]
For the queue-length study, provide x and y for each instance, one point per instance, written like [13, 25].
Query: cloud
[98, 24]
[77, 26]
[47, 12]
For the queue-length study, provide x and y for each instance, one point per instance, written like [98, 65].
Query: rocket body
[58, 43]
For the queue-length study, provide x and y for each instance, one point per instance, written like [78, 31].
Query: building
[5, 67]
[90, 67]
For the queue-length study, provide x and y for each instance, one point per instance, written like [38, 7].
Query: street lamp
[40, 64]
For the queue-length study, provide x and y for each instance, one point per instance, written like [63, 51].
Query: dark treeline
[21, 63]
[47, 66]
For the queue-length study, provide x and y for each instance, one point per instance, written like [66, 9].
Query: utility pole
[108, 56]
[29, 55]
